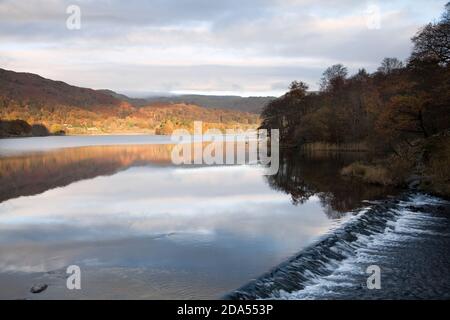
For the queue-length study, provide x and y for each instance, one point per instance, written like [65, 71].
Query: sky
[241, 47]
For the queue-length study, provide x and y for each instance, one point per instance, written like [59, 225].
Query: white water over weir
[408, 238]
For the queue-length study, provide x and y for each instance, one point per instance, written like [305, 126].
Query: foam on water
[336, 264]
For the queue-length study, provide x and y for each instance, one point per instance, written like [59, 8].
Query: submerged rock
[38, 288]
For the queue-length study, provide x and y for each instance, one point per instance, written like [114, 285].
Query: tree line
[386, 110]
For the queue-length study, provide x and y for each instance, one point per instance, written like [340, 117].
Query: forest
[31, 105]
[29, 120]
[400, 114]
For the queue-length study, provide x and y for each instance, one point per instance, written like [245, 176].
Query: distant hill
[38, 90]
[250, 104]
[245, 104]
[63, 108]
[137, 102]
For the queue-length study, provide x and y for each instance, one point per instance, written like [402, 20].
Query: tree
[333, 77]
[389, 65]
[432, 42]
[298, 89]
[404, 116]
[389, 110]
[283, 113]
[362, 75]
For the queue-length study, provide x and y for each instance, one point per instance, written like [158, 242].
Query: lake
[140, 227]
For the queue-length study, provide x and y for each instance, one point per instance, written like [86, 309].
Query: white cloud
[202, 45]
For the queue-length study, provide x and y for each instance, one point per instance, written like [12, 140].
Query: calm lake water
[142, 228]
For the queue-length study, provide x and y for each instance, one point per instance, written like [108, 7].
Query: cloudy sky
[246, 47]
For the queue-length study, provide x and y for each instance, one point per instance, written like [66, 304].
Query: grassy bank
[424, 165]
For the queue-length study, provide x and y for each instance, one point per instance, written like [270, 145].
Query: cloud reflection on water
[206, 230]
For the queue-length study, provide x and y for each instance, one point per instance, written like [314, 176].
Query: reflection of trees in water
[317, 174]
[32, 174]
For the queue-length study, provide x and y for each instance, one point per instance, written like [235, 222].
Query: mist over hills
[231, 102]
[247, 104]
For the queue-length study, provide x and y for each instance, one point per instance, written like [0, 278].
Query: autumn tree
[298, 89]
[333, 77]
[404, 116]
[283, 113]
[394, 107]
[389, 65]
[432, 42]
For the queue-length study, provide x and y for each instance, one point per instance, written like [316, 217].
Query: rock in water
[38, 288]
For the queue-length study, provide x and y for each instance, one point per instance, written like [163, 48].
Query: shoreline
[86, 135]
